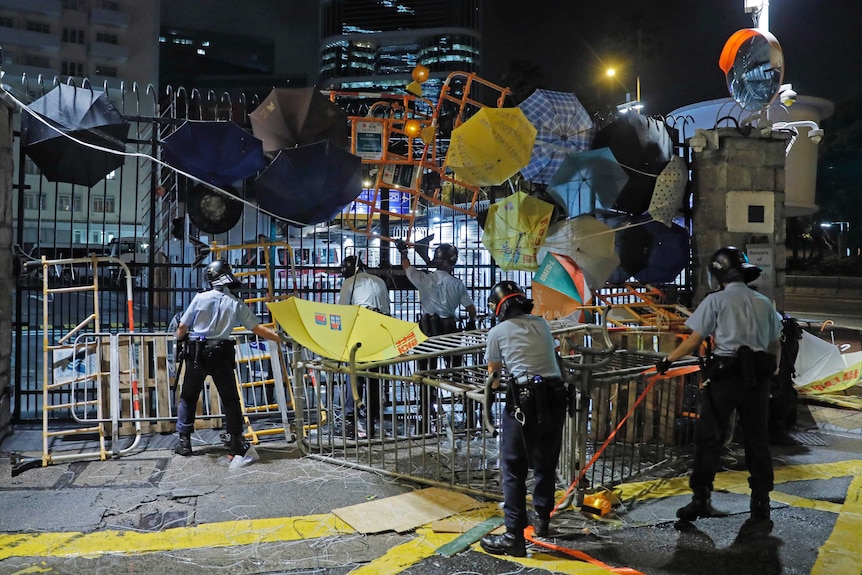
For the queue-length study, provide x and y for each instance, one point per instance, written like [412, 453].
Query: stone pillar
[7, 282]
[738, 183]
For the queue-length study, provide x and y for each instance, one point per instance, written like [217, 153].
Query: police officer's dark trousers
[537, 445]
[216, 359]
[720, 396]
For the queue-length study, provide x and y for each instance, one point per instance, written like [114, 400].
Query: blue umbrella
[563, 125]
[653, 252]
[219, 153]
[310, 184]
[588, 180]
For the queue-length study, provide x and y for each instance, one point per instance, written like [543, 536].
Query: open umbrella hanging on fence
[514, 229]
[491, 146]
[652, 252]
[220, 153]
[74, 117]
[563, 125]
[587, 181]
[669, 191]
[643, 147]
[290, 117]
[310, 184]
[211, 211]
[560, 289]
[589, 243]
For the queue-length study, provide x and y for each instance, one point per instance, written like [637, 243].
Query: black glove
[662, 366]
[401, 246]
[471, 325]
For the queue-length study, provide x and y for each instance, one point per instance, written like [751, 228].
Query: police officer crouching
[746, 331]
[205, 328]
[534, 415]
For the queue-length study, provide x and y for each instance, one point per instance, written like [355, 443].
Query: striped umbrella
[563, 125]
[560, 289]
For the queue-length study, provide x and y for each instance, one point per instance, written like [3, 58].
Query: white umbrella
[669, 191]
[822, 368]
[589, 242]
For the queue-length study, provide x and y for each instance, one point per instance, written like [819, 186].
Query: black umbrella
[211, 211]
[71, 116]
[310, 184]
[652, 252]
[643, 147]
[220, 153]
[291, 117]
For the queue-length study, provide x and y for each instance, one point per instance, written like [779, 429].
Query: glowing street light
[629, 104]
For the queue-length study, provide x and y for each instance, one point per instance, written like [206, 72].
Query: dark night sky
[568, 39]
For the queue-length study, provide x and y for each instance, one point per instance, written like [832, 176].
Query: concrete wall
[733, 173]
[7, 282]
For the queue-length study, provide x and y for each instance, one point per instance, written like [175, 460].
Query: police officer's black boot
[700, 506]
[238, 445]
[184, 447]
[540, 523]
[509, 543]
[759, 505]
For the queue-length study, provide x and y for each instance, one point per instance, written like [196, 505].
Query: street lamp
[629, 104]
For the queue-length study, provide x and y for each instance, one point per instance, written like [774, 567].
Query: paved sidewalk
[154, 511]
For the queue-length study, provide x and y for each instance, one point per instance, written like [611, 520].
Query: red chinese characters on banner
[406, 343]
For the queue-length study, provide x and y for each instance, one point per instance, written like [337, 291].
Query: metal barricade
[430, 422]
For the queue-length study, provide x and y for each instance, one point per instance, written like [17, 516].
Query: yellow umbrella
[491, 146]
[332, 330]
[514, 230]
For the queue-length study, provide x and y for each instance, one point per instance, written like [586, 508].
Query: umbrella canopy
[515, 228]
[822, 368]
[331, 330]
[211, 211]
[560, 289]
[586, 179]
[310, 184]
[73, 115]
[589, 242]
[653, 252]
[220, 153]
[643, 147]
[291, 117]
[491, 146]
[669, 191]
[563, 125]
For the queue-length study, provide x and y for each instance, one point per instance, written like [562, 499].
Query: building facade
[371, 45]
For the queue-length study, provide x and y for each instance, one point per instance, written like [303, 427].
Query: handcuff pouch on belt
[752, 367]
[529, 400]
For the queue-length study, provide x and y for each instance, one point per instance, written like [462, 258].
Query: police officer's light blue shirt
[736, 316]
[439, 292]
[213, 314]
[525, 345]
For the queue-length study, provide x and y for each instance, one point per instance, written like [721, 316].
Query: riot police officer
[206, 327]
[746, 331]
[534, 416]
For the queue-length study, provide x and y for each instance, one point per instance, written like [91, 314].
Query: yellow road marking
[222, 534]
[840, 554]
